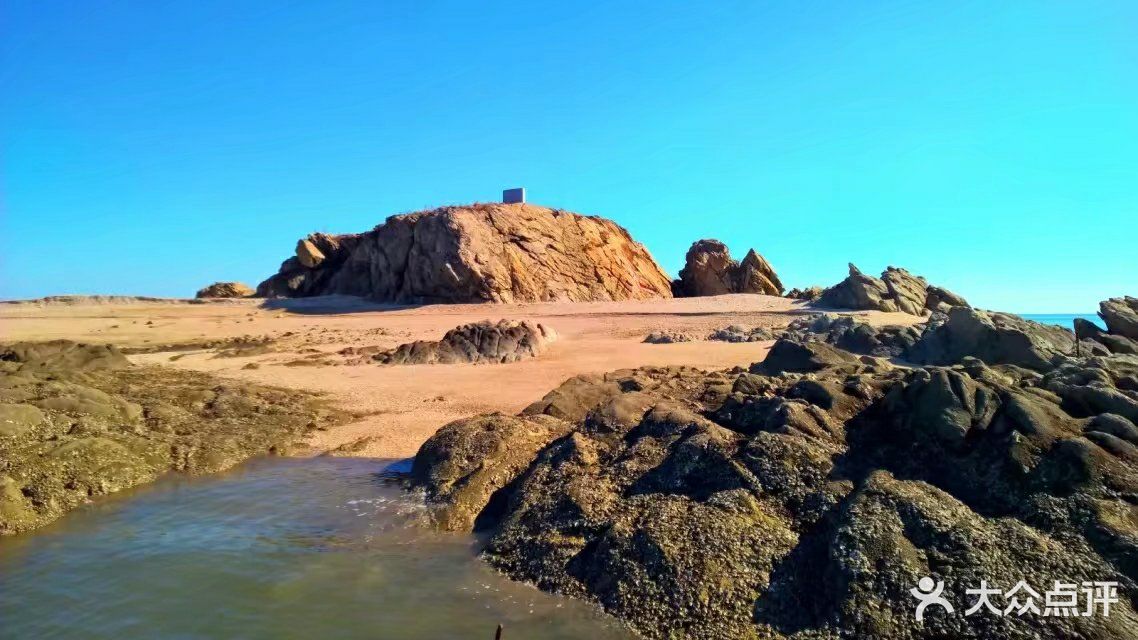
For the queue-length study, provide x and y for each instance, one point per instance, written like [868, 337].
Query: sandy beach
[399, 407]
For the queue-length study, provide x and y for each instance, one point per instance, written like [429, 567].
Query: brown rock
[477, 253]
[709, 270]
[308, 254]
[225, 290]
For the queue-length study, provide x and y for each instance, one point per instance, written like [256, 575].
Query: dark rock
[480, 342]
[809, 293]
[1085, 330]
[940, 300]
[787, 356]
[854, 335]
[1120, 316]
[468, 465]
[736, 333]
[806, 497]
[993, 337]
[896, 290]
[668, 337]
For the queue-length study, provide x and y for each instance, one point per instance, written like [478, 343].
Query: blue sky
[154, 147]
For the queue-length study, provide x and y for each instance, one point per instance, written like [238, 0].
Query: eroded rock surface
[995, 338]
[805, 497]
[479, 342]
[1120, 316]
[78, 421]
[477, 253]
[739, 333]
[667, 336]
[709, 270]
[895, 290]
[225, 290]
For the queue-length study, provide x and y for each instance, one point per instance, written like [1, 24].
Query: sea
[1065, 320]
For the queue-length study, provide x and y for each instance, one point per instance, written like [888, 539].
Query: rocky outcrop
[738, 333]
[806, 496]
[809, 293]
[995, 338]
[78, 421]
[478, 343]
[895, 290]
[1085, 330]
[709, 270]
[1120, 316]
[477, 253]
[225, 290]
[854, 335]
[667, 336]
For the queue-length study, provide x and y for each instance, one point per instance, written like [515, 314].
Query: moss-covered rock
[77, 422]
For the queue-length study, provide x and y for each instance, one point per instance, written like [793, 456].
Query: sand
[401, 406]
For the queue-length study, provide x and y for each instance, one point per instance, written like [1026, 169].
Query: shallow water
[281, 548]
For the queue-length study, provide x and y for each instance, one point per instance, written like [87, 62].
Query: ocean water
[1065, 320]
[279, 548]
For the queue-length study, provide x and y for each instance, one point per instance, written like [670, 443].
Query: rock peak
[486, 252]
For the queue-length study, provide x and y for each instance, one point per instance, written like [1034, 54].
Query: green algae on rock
[77, 421]
[805, 497]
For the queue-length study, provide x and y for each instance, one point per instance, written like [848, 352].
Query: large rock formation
[480, 342]
[1120, 316]
[995, 338]
[477, 253]
[808, 496]
[709, 270]
[225, 290]
[895, 290]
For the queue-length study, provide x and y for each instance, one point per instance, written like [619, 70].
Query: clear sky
[154, 147]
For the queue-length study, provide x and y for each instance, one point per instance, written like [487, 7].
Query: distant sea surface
[1065, 320]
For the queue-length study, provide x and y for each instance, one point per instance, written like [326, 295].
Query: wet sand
[401, 406]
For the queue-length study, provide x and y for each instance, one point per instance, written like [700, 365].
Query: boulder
[940, 300]
[737, 333]
[480, 342]
[895, 290]
[809, 293]
[993, 337]
[709, 270]
[225, 290]
[806, 497]
[476, 253]
[756, 275]
[854, 335]
[664, 336]
[804, 357]
[1120, 316]
[1085, 330]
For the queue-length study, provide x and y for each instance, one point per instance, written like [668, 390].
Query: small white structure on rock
[514, 196]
